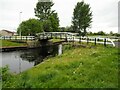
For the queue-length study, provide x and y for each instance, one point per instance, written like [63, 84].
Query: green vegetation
[7, 43]
[102, 33]
[47, 21]
[56, 40]
[30, 27]
[82, 18]
[48, 16]
[77, 67]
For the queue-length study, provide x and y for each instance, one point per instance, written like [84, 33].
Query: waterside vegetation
[77, 67]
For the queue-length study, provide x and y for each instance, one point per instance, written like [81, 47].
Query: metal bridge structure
[69, 37]
[73, 37]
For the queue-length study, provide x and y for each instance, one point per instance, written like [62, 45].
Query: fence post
[26, 38]
[80, 40]
[15, 37]
[87, 40]
[43, 36]
[47, 37]
[10, 37]
[51, 35]
[4, 37]
[105, 42]
[66, 37]
[60, 36]
[56, 36]
[95, 41]
[73, 39]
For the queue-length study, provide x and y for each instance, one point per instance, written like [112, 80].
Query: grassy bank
[7, 43]
[90, 67]
[56, 40]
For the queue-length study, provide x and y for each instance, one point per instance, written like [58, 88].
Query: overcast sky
[105, 13]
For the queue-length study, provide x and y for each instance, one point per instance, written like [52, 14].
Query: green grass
[7, 43]
[56, 40]
[90, 67]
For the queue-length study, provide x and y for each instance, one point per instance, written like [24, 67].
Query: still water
[22, 60]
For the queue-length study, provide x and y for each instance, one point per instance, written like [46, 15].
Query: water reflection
[37, 55]
[19, 61]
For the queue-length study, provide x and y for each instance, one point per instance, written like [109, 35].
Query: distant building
[7, 33]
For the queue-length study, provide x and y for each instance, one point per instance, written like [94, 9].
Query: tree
[54, 22]
[47, 16]
[30, 27]
[111, 33]
[43, 10]
[47, 26]
[101, 33]
[82, 18]
[68, 29]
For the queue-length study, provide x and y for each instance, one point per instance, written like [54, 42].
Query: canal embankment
[9, 45]
[77, 67]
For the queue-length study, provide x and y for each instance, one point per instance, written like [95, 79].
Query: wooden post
[73, 39]
[56, 36]
[15, 37]
[51, 35]
[66, 37]
[95, 41]
[87, 40]
[80, 40]
[47, 36]
[60, 36]
[26, 38]
[43, 36]
[10, 37]
[105, 42]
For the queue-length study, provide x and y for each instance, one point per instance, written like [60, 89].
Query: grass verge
[7, 43]
[90, 67]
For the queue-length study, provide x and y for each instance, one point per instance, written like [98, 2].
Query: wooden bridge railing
[17, 37]
[73, 37]
[61, 35]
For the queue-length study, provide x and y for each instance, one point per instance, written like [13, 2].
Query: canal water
[22, 60]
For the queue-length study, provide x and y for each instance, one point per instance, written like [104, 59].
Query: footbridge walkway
[74, 37]
[62, 35]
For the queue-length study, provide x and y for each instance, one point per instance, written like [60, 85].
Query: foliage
[111, 33]
[30, 27]
[5, 76]
[82, 18]
[47, 16]
[95, 67]
[5, 73]
[43, 10]
[101, 33]
[54, 22]
[68, 29]
[116, 34]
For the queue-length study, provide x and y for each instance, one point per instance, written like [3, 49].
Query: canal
[22, 60]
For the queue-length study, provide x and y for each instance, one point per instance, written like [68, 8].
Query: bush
[5, 74]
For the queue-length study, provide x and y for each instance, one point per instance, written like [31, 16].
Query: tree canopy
[47, 16]
[30, 27]
[82, 18]
[43, 10]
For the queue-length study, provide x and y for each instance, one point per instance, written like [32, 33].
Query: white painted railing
[17, 37]
[93, 40]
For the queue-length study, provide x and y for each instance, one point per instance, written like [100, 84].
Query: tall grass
[95, 67]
